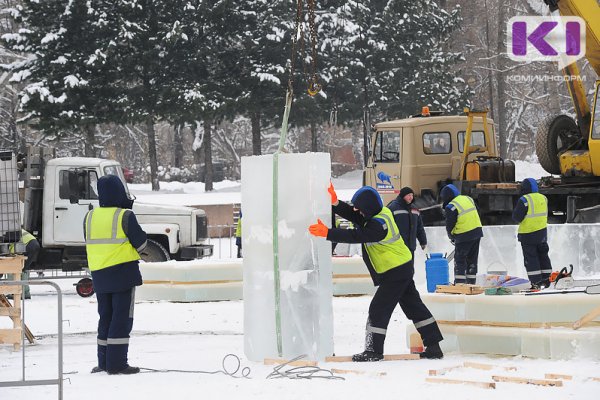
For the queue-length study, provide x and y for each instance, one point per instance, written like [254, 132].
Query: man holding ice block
[531, 212]
[391, 267]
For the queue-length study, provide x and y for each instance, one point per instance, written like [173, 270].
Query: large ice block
[501, 251]
[303, 314]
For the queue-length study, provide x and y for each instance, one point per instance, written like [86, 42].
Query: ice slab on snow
[501, 251]
[304, 309]
[554, 343]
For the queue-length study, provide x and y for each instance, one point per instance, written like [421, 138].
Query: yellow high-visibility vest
[390, 252]
[468, 217]
[105, 241]
[537, 213]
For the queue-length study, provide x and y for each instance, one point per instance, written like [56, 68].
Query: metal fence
[222, 237]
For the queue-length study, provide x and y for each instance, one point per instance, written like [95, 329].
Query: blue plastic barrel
[436, 271]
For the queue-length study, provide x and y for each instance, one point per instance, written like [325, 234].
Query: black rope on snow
[305, 372]
[245, 371]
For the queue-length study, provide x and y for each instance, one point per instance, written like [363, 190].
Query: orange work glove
[319, 229]
[331, 190]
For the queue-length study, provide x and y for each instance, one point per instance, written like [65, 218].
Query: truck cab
[421, 152]
[60, 191]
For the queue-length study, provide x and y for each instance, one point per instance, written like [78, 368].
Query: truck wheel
[84, 287]
[154, 252]
[555, 135]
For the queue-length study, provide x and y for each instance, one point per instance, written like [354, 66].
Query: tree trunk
[90, 140]
[313, 137]
[178, 139]
[489, 62]
[208, 167]
[152, 154]
[256, 141]
[366, 122]
[500, 83]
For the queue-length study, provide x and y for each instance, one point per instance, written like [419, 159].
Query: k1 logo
[560, 39]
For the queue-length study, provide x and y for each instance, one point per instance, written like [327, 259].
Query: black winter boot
[128, 370]
[433, 352]
[367, 356]
[96, 370]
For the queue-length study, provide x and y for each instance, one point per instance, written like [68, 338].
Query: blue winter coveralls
[464, 230]
[114, 284]
[395, 285]
[534, 241]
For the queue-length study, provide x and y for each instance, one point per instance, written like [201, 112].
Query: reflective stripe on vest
[390, 252]
[105, 241]
[468, 217]
[537, 213]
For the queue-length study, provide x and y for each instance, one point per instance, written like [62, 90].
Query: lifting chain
[311, 77]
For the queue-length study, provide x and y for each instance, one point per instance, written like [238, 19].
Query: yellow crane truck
[427, 151]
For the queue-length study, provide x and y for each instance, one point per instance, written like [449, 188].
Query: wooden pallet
[12, 265]
[460, 288]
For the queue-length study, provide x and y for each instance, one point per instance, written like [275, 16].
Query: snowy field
[197, 336]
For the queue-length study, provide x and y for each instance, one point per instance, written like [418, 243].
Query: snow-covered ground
[197, 336]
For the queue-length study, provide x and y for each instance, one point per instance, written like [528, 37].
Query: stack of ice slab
[187, 281]
[221, 279]
[513, 325]
[10, 217]
[287, 277]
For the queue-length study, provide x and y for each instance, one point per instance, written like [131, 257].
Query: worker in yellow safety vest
[113, 242]
[238, 236]
[531, 212]
[32, 250]
[390, 264]
[465, 232]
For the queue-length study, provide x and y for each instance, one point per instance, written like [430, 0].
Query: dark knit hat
[404, 191]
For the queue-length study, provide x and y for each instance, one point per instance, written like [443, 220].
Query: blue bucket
[436, 271]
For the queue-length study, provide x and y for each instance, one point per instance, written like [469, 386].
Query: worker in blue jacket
[408, 218]
[113, 241]
[531, 212]
[464, 230]
[390, 264]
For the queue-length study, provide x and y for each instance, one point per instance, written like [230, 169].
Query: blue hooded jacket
[367, 230]
[120, 277]
[528, 185]
[448, 193]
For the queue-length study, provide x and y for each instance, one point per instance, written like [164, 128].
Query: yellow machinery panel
[576, 163]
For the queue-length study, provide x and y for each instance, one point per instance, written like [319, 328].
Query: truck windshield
[596, 126]
[387, 147]
[118, 171]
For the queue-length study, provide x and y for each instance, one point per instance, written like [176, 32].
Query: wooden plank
[526, 381]
[459, 289]
[544, 325]
[485, 385]
[388, 357]
[10, 336]
[11, 265]
[486, 367]
[9, 312]
[443, 371]
[558, 376]
[297, 363]
[11, 289]
[344, 276]
[593, 378]
[416, 343]
[587, 318]
[353, 371]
